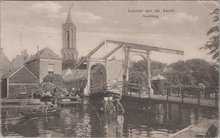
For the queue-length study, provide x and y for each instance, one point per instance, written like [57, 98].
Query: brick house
[43, 63]
[19, 84]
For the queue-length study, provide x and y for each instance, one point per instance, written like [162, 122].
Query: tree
[137, 69]
[212, 45]
[179, 73]
[193, 71]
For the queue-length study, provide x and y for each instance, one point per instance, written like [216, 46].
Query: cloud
[47, 6]
[180, 17]
[42, 29]
[86, 17]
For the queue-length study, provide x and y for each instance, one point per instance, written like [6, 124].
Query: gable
[23, 75]
[47, 53]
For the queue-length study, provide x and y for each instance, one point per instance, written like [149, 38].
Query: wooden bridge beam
[146, 47]
[112, 52]
[90, 54]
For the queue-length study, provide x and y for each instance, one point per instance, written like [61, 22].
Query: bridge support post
[182, 94]
[216, 98]
[125, 73]
[87, 89]
[148, 81]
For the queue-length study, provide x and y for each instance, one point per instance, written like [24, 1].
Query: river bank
[196, 130]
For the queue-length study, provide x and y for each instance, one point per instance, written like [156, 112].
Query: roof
[45, 53]
[14, 71]
[69, 19]
[74, 74]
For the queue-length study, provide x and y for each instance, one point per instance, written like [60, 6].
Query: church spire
[69, 18]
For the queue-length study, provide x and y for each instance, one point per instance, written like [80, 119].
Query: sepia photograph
[109, 69]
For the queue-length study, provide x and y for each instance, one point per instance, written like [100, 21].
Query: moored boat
[40, 113]
[69, 100]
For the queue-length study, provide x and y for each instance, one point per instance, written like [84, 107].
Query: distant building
[20, 59]
[159, 84]
[75, 79]
[20, 83]
[43, 63]
[69, 50]
[4, 63]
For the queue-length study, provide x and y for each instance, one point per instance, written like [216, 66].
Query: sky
[184, 26]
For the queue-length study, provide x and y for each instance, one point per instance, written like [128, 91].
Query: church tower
[69, 51]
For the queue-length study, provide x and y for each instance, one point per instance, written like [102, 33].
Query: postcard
[109, 68]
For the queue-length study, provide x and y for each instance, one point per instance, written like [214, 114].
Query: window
[50, 68]
[68, 39]
[71, 39]
[22, 90]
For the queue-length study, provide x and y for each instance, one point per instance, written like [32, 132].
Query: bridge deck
[187, 100]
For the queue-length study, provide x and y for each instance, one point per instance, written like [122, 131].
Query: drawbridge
[98, 68]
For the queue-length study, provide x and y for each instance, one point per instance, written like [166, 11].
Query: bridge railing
[183, 93]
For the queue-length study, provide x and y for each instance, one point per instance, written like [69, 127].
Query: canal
[152, 119]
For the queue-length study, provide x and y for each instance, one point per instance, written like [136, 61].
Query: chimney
[24, 52]
[1, 51]
[37, 50]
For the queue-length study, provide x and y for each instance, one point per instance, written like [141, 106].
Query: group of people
[112, 105]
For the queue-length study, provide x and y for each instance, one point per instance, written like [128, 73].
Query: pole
[1, 68]
[182, 95]
[140, 91]
[198, 97]
[88, 79]
[148, 73]
[216, 99]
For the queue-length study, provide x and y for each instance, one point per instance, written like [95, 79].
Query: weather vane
[70, 5]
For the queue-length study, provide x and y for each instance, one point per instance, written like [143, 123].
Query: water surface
[147, 120]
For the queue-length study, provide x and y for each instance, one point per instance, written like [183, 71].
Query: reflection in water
[145, 120]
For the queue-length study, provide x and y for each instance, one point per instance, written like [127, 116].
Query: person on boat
[77, 97]
[54, 104]
[49, 106]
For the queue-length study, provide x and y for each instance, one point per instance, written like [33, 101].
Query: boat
[40, 113]
[69, 100]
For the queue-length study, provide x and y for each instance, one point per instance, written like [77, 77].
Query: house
[20, 83]
[20, 59]
[43, 63]
[75, 79]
